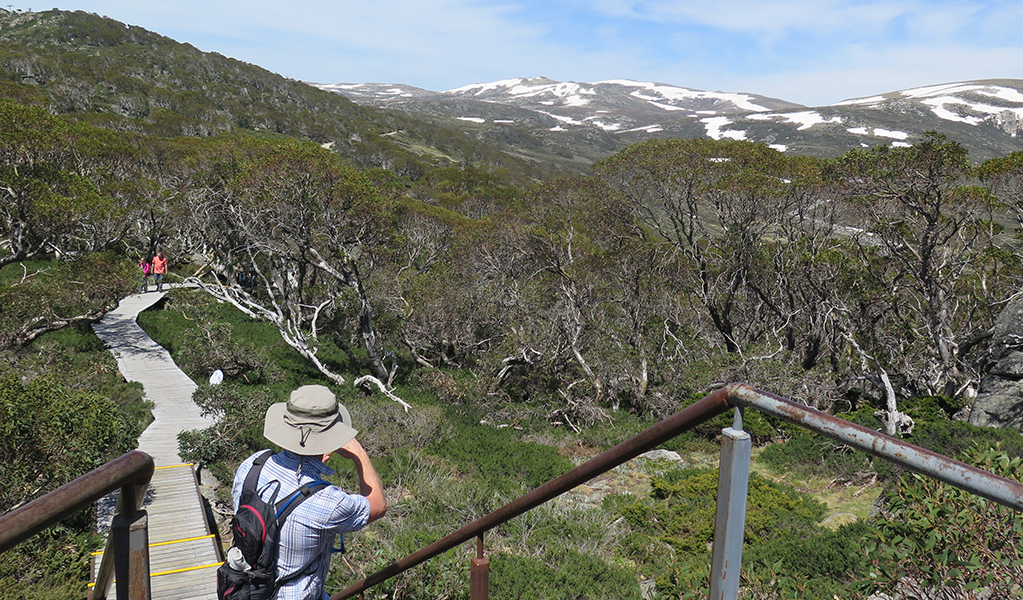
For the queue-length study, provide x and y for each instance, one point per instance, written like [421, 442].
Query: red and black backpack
[256, 526]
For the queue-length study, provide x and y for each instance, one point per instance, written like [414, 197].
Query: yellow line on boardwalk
[175, 466]
[191, 539]
[185, 570]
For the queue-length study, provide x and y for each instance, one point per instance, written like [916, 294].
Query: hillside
[595, 119]
[131, 79]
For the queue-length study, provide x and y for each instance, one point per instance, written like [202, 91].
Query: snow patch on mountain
[895, 135]
[662, 95]
[805, 119]
[878, 132]
[943, 106]
[570, 94]
[645, 129]
[871, 100]
[959, 102]
[715, 129]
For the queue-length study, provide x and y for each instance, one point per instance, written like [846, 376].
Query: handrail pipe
[134, 468]
[682, 421]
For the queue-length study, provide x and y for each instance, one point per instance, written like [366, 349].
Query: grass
[846, 501]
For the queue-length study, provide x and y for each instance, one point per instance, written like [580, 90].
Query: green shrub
[79, 359]
[566, 574]
[935, 540]
[817, 456]
[958, 439]
[931, 407]
[50, 435]
[772, 580]
[52, 565]
[824, 554]
[498, 455]
[681, 509]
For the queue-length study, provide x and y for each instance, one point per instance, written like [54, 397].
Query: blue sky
[813, 52]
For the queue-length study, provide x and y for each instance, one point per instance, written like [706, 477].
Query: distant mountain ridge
[985, 115]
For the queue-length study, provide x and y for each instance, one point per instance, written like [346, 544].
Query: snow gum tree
[730, 209]
[295, 232]
[922, 244]
[44, 196]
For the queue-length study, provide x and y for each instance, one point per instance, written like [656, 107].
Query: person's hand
[352, 450]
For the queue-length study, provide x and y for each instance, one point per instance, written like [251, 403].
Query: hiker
[144, 266]
[159, 270]
[310, 427]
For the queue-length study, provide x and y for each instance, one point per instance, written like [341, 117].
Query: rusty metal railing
[728, 528]
[127, 545]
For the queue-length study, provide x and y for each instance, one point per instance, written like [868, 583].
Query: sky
[812, 52]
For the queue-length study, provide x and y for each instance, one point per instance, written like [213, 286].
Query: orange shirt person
[159, 270]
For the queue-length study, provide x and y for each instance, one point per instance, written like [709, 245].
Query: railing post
[479, 574]
[733, 481]
[130, 532]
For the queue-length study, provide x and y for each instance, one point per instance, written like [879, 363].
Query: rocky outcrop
[999, 402]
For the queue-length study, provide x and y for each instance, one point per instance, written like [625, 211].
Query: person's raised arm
[370, 485]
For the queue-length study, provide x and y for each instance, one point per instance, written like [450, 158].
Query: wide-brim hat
[311, 422]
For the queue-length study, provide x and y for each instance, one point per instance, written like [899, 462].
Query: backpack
[256, 527]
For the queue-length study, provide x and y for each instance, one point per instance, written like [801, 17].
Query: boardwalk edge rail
[733, 477]
[127, 550]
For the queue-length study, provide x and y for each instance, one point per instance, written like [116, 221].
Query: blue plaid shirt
[310, 531]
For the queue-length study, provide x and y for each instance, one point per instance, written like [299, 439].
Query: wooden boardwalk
[183, 552]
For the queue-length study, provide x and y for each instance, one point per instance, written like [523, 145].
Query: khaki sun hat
[311, 422]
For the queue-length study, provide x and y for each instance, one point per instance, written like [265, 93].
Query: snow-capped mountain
[590, 120]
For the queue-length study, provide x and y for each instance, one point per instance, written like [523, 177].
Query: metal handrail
[131, 473]
[134, 468]
[736, 395]
[682, 421]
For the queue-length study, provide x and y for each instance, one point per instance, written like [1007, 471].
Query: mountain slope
[593, 119]
[131, 79]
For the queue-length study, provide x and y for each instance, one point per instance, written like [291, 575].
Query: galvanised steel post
[730, 521]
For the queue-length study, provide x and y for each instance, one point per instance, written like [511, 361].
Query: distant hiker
[310, 427]
[144, 266]
[159, 270]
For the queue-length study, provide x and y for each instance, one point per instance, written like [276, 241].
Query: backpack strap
[286, 507]
[252, 477]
